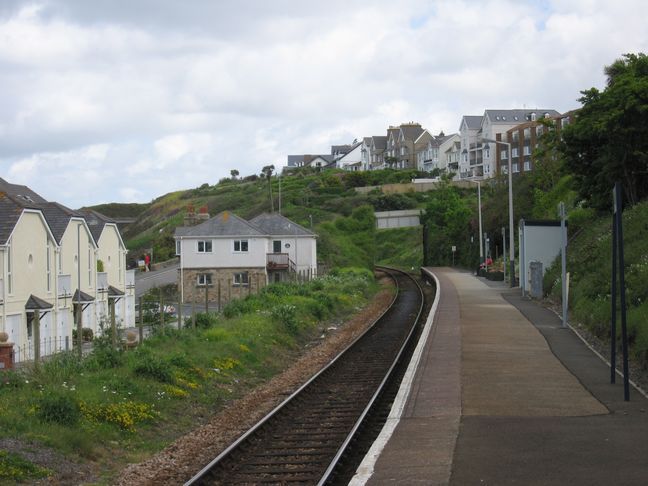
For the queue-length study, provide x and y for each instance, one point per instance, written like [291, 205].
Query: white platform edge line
[366, 468]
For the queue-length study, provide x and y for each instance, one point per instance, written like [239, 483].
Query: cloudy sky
[126, 100]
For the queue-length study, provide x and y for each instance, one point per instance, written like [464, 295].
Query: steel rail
[205, 471]
[343, 448]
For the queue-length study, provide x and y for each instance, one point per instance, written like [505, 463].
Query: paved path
[503, 395]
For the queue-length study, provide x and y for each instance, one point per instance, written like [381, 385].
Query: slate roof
[114, 292]
[411, 131]
[58, 217]
[473, 122]
[223, 224]
[295, 160]
[84, 297]
[277, 225]
[23, 193]
[517, 116]
[10, 212]
[96, 222]
[36, 303]
[379, 142]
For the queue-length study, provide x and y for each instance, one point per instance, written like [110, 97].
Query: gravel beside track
[179, 461]
[307, 434]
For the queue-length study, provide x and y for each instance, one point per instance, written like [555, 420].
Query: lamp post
[510, 194]
[481, 241]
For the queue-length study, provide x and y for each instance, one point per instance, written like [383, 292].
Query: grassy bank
[116, 406]
[589, 260]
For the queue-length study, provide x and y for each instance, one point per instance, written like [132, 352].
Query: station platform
[498, 393]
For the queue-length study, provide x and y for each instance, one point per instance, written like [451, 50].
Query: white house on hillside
[234, 256]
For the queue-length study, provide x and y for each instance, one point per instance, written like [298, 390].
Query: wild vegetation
[91, 408]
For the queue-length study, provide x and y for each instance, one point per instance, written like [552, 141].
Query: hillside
[326, 202]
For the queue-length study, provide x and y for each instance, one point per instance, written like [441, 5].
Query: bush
[58, 407]
[148, 365]
[286, 315]
[216, 334]
[86, 334]
[14, 468]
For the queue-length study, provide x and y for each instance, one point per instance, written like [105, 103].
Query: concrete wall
[397, 219]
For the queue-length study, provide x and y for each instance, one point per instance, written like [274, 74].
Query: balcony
[130, 279]
[279, 261]
[102, 281]
[64, 285]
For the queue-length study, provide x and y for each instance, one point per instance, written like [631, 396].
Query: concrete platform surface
[503, 395]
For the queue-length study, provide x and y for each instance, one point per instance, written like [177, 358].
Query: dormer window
[533, 116]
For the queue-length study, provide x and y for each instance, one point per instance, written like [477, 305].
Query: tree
[608, 140]
[234, 173]
[267, 173]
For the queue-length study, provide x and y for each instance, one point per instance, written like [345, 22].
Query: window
[514, 152]
[204, 246]
[516, 168]
[89, 268]
[240, 246]
[204, 279]
[527, 150]
[527, 165]
[178, 247]
[241, 279]
[276, 246]
[48, 260]
[503, 155]
[9, 270]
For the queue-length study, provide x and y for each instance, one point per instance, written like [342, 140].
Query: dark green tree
[447, 220]
[608, 140]
[267, 173]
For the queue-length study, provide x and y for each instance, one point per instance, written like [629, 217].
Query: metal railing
[279, 261]
[64, 284]
[48, 347]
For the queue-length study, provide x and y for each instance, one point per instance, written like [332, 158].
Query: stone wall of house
[222, 284]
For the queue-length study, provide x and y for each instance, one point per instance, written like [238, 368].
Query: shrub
[203, 320]
[286, 315]
[57, 407]
[151, 366]
[86, 334]
[216, 334]
[126, 415]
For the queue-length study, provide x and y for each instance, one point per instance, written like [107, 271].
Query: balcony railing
[102, 281]
[130, 279]
[279, 261]
[64, 285]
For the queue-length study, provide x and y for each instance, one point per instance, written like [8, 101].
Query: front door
[276, 246]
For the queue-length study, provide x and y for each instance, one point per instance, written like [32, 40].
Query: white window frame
[9, 269]
[516, 167]
[178, 247]
[527, 165]
[241, 279]
[207, 246]
[89, 267]
[204, 279]
[48, 260]
[240, 244]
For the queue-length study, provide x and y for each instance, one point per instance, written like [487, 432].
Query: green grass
[115, 406]
[15, 468]
[400, 247]
[589, 257]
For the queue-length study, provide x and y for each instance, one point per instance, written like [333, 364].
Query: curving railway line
[304, 440]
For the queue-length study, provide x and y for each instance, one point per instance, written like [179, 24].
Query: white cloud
[104, 101]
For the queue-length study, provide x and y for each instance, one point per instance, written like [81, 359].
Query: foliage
[126, 415]
[13, 467]
[447, 219]
[608, 140]
[100, 265]
[150, 365]
[57, 407]
[286, 315]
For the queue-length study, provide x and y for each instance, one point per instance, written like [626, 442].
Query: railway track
[303, 439]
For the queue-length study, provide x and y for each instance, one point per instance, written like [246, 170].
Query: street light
[510, 191]
[481, 242]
